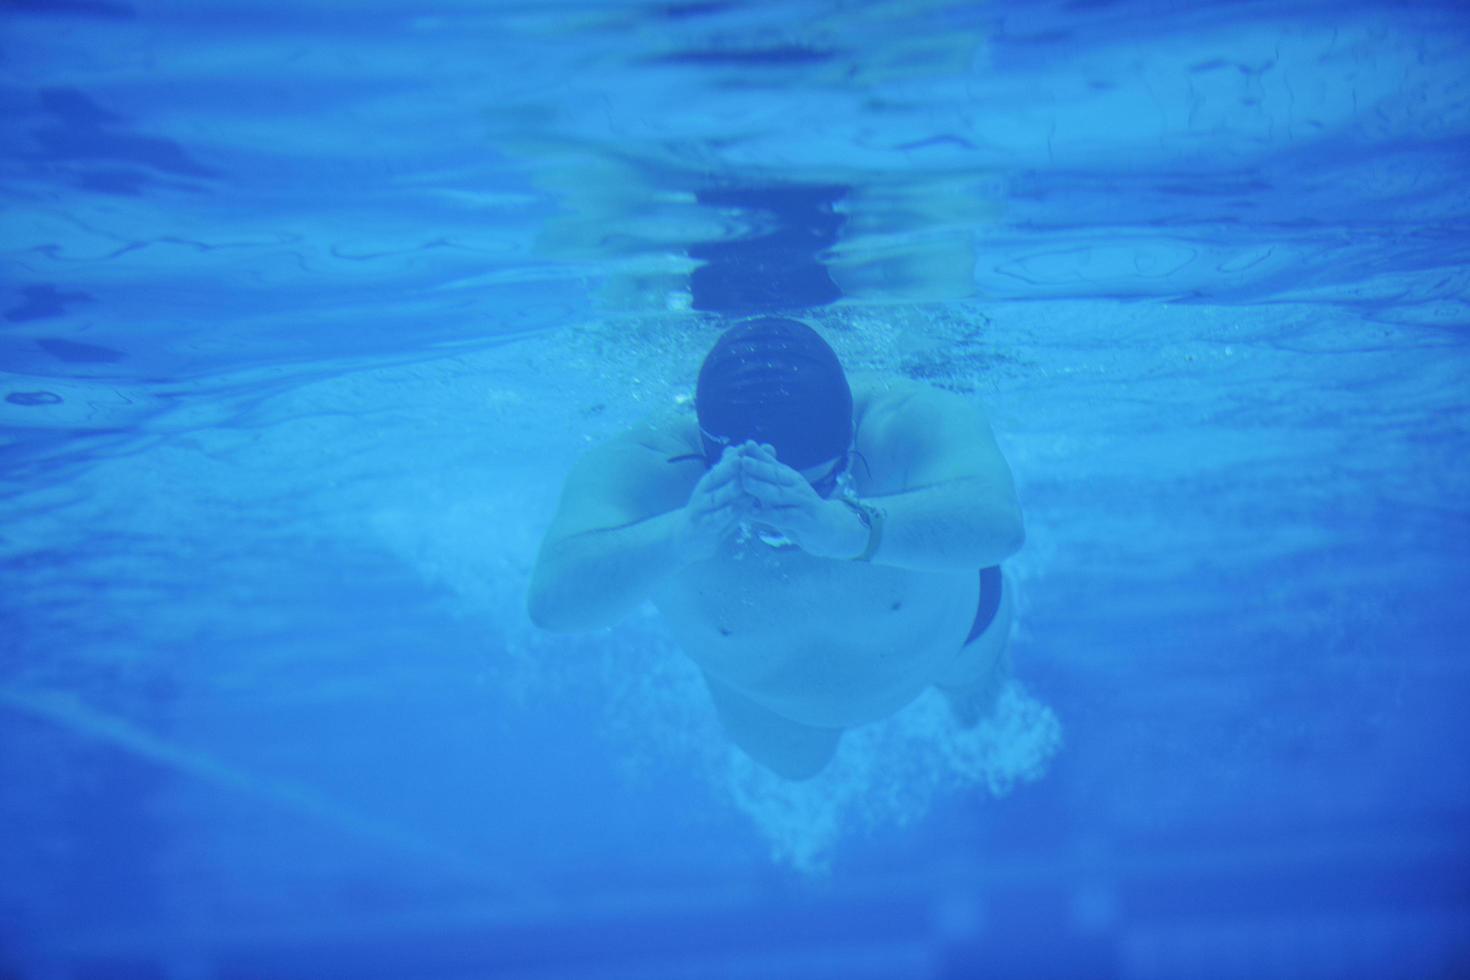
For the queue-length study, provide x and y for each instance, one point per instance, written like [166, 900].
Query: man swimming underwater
[812, 547]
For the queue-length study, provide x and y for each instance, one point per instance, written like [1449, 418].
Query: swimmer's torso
[822, 642]
[828, 643]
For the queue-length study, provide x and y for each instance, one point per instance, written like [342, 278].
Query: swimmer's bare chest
[822, 642]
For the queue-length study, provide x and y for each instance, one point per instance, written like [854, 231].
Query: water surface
[305, 312]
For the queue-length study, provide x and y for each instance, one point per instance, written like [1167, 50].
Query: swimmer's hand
[781, 498]
[715, 506]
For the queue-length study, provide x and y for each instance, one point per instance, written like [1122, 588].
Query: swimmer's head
[775, 381]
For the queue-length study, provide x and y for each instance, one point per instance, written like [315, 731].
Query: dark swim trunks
[989, 602]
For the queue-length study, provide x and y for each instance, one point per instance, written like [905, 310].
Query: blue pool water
[306, 310]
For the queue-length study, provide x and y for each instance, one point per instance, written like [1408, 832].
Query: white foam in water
[885, 775]
[890, 773]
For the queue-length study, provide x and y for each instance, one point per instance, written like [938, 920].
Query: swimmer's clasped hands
[750, 484]
[716, 506]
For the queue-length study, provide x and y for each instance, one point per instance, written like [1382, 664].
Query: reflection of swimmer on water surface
[662, 237]
[812, 546]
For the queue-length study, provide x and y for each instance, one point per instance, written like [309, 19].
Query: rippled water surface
[306, 310]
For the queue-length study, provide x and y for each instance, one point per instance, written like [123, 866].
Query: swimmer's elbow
[560, 607]
[546, 609]
[540, 610]
[549, 613]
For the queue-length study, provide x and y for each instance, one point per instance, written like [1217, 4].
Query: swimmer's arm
[958, 509]
[627, 521]
[609, 545]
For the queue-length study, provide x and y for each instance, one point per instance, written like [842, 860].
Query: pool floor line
[69, 713]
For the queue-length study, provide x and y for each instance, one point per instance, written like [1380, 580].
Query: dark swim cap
[775, 381]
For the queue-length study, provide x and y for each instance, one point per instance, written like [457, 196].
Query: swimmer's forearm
[592, 580]
[948, 527]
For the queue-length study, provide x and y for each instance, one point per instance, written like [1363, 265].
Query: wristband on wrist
[872, 519]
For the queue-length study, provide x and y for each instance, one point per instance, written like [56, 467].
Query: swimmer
[823, 552]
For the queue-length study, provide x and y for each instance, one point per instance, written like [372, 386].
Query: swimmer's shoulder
[641, 455]
[628, 477]
[911, 434]
[665, 435]
[880, 404]
[884, 401]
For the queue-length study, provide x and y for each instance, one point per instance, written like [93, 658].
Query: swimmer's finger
[723, 472]
[717, 479]
[761, 452]
[774, 494]
[769, 472]
[729, 460]
[725, 494]
[773, 474]
[709, 498]
[720, 522]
